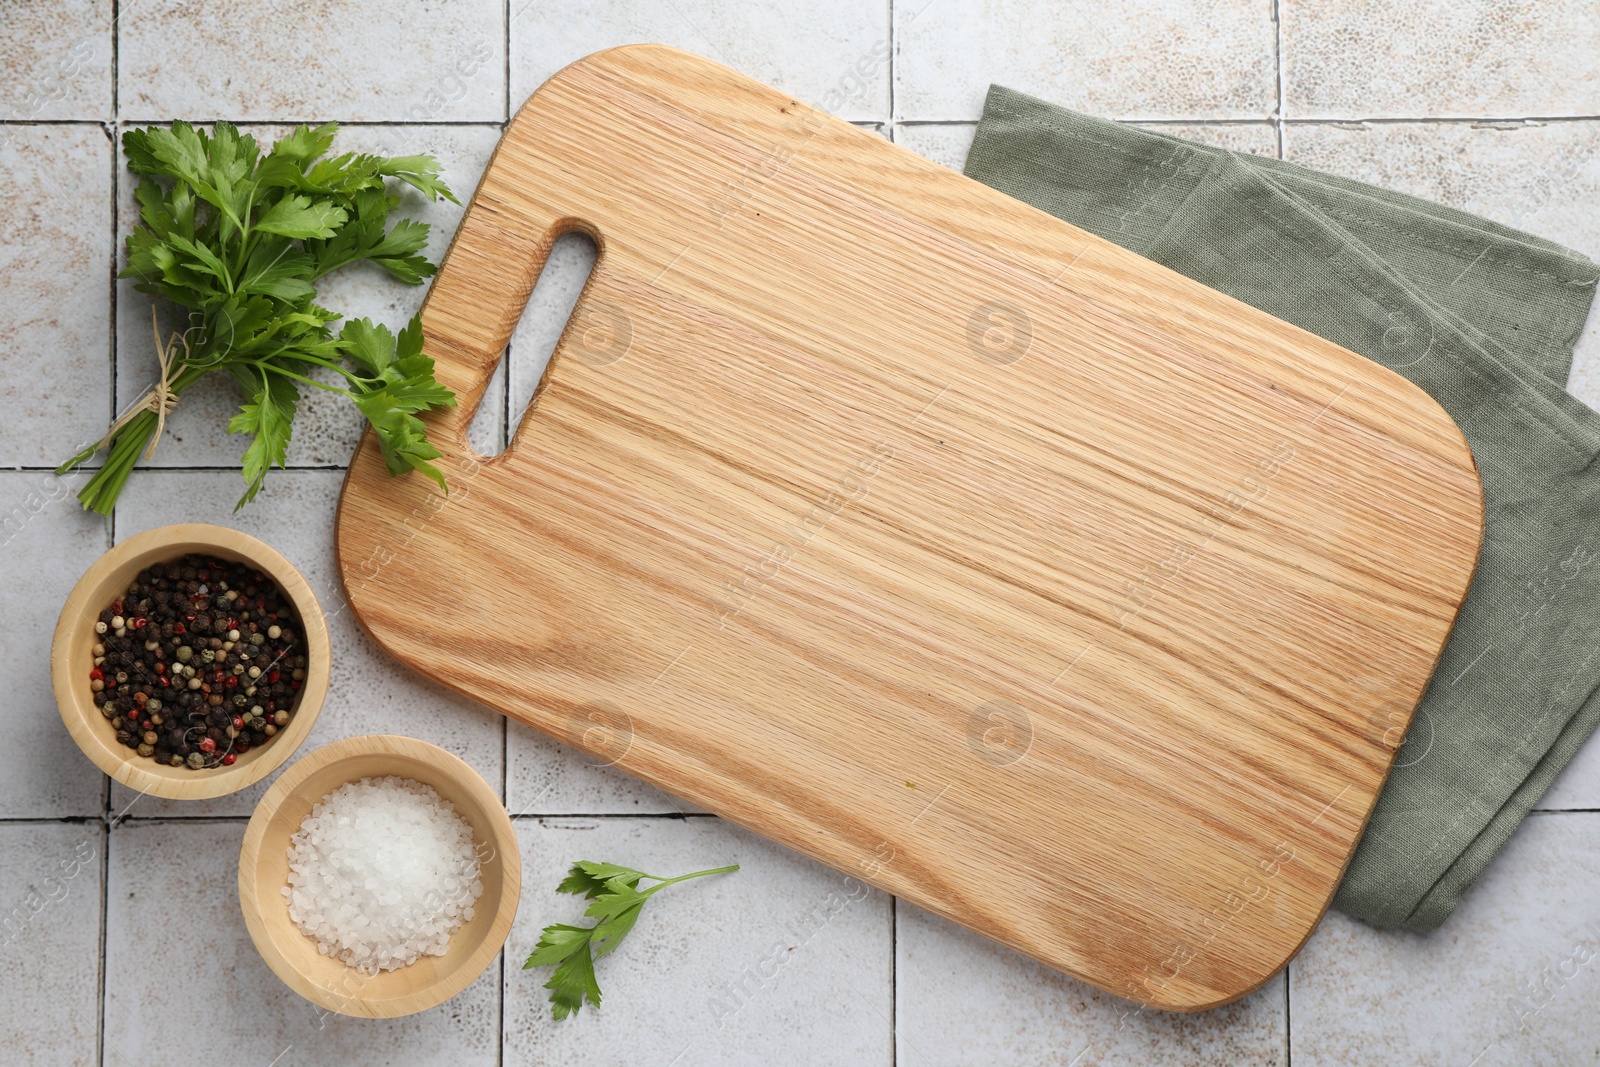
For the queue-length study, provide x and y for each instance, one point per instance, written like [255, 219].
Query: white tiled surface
[355, 60]
[1159, 59]
[55, 261]
[160, 970]
[785, 961]
[66, 73]
[834, 53]
[1512, 978]
[50, 937]
[139, 949]
[1440, 58]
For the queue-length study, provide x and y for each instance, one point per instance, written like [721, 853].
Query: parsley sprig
[238, 238]
[616, 899]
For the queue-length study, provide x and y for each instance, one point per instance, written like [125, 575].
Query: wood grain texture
[923, 532]
[264, 871]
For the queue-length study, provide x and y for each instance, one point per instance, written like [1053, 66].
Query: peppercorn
[180, 630]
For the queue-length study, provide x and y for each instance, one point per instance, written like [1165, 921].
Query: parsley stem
[273, 368]
[685, 877]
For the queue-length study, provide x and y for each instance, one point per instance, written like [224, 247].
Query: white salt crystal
[382, 872]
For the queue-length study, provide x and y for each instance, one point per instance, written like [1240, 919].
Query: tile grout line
[894, 980]
[1164, 120]
[505, 720]
[1442, 120]
[102, 977]
[188, 468]
[1277, 60]
[267, 120]
[1319, 120]
[528, 816]
[103, 968]
[893, 74]
[116, 37]
[1288, 1026]
[502, 437]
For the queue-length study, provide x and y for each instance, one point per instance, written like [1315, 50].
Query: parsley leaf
[393, 382]
[299, 216]
[237, 239]
[270, 417]
[616, 900]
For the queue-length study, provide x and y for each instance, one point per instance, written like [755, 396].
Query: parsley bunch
[238, 238]
[572, 950]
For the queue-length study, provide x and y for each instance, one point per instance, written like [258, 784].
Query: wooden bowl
[71, 658]
[264, 871]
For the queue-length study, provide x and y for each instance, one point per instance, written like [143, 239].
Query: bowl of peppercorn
[190, 661]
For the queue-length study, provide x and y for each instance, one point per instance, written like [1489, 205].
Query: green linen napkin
[1482, 317]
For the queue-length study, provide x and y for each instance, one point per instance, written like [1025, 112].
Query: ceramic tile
[1503, 58]
[369, 693]
[962, 999]
[548, 777]
[355, 60]
[1513, 977]
[55, 305]
[1540, 177]
[833, 54]
[784, 961]
[1130, 59]
[50, 941]
[55, 60]
[948, 143]
[945, 143]
[328, 426]
[46, 543]
[203, 972]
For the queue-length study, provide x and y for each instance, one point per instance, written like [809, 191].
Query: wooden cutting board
[922, 532]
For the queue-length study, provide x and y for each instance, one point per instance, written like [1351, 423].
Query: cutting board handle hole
[546, 319]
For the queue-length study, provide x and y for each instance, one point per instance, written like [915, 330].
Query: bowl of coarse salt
[379, 876]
